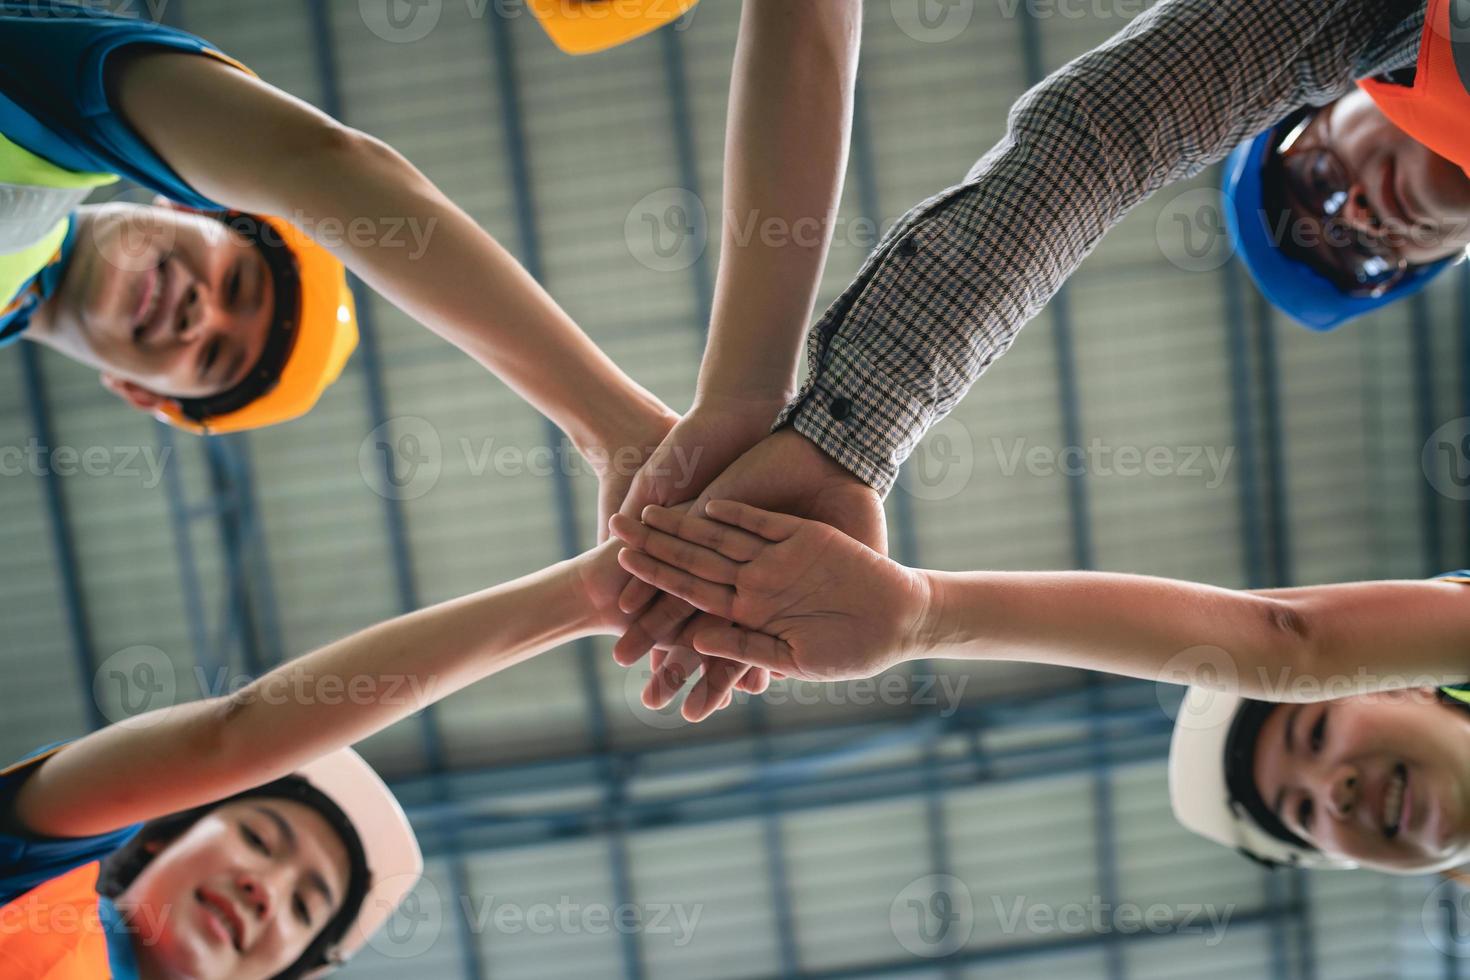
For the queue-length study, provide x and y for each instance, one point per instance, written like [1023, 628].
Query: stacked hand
[812, 602]
[785, 472]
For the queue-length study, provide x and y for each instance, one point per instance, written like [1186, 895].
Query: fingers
[671, 671]
[757, 680]
[699, 561]
[709, 596]
[768, 524]
[660, 624]
[714, 690]
[749, 647]
[635, 595]
[730, 542]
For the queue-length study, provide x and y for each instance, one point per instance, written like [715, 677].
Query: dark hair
[121, 867]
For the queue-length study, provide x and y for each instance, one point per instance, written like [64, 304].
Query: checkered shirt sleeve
[950, 285]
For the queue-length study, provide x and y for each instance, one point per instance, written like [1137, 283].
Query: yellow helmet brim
[589, 26]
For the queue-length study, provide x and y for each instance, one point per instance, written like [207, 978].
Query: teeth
[1393, 802]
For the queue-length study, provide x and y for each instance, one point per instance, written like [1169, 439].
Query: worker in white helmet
[238, 836]
[1326, 725]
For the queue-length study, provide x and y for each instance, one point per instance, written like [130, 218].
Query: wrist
[933, 629]
[627, 423]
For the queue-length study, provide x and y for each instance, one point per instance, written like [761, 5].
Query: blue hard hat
[1292, 286]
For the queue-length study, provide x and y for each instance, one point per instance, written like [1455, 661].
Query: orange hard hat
[587, 26]
[313, 332]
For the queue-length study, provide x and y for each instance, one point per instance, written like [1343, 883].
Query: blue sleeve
[26, 861]
[53, 93]
[1462, 575]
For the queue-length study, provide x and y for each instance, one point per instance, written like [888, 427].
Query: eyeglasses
[1314, 187]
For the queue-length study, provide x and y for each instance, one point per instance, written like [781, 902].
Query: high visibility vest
[36, 199]
[1436, 110]
[55, 931]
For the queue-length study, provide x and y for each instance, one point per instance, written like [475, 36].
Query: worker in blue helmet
[1337, 212]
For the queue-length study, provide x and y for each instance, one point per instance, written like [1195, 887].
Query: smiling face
[1383, 779]
[241, 894]
[163, 302]
[1398, 195]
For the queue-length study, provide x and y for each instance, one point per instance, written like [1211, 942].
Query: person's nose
[197, 311]
[1356, 211]
[1343, 788]
[257, 893]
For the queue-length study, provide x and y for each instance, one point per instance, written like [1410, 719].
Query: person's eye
[232, 290]
[1319, 732]
[1304, 813]
[302, 912]
[255, 841]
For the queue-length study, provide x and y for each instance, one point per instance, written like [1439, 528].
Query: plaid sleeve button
[908, 248]
[840, 408]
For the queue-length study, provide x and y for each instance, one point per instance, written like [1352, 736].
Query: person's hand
[599, 579]
[621, 455]
[714, 433]
[811, 602]
[784, 471]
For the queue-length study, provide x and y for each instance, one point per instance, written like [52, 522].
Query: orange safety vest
[54, 931]
[1436, 109]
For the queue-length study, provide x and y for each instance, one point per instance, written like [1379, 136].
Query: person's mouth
[154, 310]
[1395, 801]
[225, 915]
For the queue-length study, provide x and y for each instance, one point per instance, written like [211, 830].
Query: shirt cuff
[859, 416]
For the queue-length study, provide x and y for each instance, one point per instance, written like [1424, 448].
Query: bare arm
[786, 142]
[813, 603]
[250, 146]
[1301, 644]
[186, 756]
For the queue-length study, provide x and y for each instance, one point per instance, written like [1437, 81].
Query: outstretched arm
[786, 140]
[180, 757]
[250, 146]
[812, 603]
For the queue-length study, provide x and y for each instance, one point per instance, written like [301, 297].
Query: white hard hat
[390, 850]
[1212, 781]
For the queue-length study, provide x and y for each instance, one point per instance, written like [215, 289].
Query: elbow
[1292, 669]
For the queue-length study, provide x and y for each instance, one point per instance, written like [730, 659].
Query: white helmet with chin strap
[382, 848]
[1212, 782]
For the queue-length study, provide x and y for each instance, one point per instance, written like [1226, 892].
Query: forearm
[250, 146]
[456, 279]
[790, 119]
[947, 293]
[1298, 645]
[179, 757]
